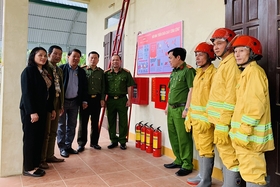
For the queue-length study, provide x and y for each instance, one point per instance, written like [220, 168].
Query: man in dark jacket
[75, 89]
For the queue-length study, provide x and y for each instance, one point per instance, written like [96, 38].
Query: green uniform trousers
[114, 107]
[180, 140]
[50, 133]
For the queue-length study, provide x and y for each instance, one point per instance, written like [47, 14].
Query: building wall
[200, 19]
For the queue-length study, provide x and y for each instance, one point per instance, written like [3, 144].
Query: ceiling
[56, 22]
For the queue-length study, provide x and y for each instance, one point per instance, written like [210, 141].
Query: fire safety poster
[153, 46]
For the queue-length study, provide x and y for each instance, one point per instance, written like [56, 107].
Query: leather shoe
[54, 159]
[44, 165]
[81, 149]
[183, 172]
[172, 165]
[123, 146]
[37, 173]
[63, 153]
[71, 151]
[96, 147]
[112, 145]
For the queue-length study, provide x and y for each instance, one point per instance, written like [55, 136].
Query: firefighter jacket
[222, 96]
[200, 95]
[251, 122]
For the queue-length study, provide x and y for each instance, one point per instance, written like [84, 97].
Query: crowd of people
[227, 107]
[53, 96]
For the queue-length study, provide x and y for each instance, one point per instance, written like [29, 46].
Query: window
[112, 20]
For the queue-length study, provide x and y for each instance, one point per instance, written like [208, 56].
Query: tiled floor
[106, 167]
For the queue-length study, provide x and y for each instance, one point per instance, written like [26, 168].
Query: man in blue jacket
[75, 89]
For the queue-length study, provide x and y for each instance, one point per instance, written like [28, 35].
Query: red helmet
[224, 33]
[206, 48]
[250, 42]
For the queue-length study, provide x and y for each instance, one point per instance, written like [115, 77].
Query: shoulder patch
[126, 70]
[189, 66]
[107, 70]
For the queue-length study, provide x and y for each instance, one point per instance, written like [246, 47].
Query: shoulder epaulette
[189, 66]
[126, 70]
[83, 66]
[107, 70]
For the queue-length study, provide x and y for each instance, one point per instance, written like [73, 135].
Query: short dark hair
[54, 47]
[75, 50]
[31, 58]
[117, 55]
[93, 52]
[179, 51]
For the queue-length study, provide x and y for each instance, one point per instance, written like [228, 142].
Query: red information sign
[153, 47]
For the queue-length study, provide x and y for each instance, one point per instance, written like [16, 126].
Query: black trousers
[93, 110]
[33, 137]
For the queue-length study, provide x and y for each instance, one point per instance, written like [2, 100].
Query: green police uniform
[96, 93]
[116, 85]
[181, 80]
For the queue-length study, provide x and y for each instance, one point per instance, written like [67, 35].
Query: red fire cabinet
[140, 93]
[160, 91]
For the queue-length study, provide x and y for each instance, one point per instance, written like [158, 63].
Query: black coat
[35, 96]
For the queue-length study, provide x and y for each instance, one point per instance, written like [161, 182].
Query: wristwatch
[186, 109]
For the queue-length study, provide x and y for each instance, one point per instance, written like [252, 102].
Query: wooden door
[261, 19]
[108, 45]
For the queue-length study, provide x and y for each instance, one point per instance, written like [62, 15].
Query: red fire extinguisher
[149, 139]
[157, 143]
[143, 137]
[138, 127]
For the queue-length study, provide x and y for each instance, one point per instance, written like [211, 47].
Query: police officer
[96, 88]
[118, 83]
[180, 85]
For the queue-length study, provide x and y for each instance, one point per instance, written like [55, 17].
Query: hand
[53, 115]
[61, 112]
[184, 114]
[85, 105]
[102, 103]
[188, 125]
[246, 129]
[128, 103]
[202, 127]
[221, 135]
[34, 117]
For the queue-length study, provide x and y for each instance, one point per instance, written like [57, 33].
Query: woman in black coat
[36, 100]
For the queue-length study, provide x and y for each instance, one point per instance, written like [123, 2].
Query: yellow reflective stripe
[199, 117]
[222, 128]
[249, 120]
[213, 113]
[259, 128]
[197, 108]
[215, 104]
[228, 106]
[221, 105]
[253, 138]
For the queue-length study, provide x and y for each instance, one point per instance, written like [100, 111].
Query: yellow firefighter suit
[251, 130]
[220, 108]
[203, 131]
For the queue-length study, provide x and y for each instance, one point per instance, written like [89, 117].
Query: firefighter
[197, 118]
[221, 103]
[251, 130]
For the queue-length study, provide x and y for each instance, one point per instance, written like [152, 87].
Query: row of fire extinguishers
[148, 138]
